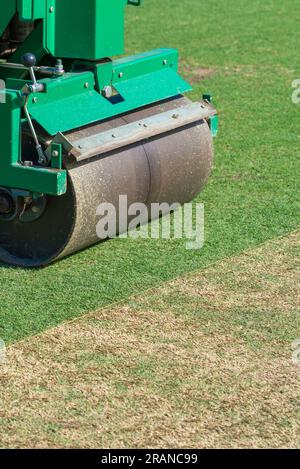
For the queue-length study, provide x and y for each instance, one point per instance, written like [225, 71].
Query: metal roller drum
[170, 167]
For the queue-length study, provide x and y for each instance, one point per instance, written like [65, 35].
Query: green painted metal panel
[10, 115]
[113, 72]
[214, 125]
[69, 85]
[50, 25]
[147, 62]
[71, 112]
[36, 179]
[68, 113]
[98, 26]
[76, 99]
[25, 9]
[72, 100]
[30, 10]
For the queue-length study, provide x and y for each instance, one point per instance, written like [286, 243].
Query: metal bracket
[135, 132]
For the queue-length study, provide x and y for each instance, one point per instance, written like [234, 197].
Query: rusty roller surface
[172, 167]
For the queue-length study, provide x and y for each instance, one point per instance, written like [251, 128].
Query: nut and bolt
[59, 68]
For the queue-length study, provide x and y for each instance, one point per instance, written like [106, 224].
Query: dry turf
[202, 361]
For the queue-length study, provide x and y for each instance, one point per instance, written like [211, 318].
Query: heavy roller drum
[169, 167]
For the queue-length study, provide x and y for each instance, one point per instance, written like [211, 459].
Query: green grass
[253, 194]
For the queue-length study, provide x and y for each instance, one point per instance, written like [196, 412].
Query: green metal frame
[12, 173]
[75, 99]
[99, 25]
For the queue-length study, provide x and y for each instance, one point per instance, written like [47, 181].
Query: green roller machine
[80, 126]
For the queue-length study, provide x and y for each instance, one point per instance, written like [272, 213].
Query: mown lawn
[250, 51]
[202, 361]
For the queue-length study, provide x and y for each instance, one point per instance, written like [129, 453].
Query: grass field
[142, 343]
[201, 361]
[249, 51]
